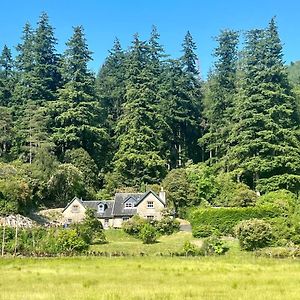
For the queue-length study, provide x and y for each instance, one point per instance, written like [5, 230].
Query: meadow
[236, 275]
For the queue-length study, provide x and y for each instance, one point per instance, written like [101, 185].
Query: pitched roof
[120, 199]
[116, 207]
[75, 198]
[107, 213]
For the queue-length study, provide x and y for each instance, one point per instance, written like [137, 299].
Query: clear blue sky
[103, 20]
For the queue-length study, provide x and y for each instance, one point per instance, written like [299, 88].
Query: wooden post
[16, 240]
[3, 240]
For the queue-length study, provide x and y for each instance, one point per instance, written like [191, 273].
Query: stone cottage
[112, 213]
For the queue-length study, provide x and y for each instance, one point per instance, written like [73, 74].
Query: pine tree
[185, 102]
[7, 77]
[111, 85]
[221, 88]
[265, 151]
[138, 157]
[77, 112]
[46, 61]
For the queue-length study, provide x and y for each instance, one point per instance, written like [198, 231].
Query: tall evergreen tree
[111, 85]
[77, 113]
[7, 76]
[265, 150]
[221, 89]
[138, 159]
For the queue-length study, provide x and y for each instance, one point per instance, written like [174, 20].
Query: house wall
[70, 214]
[106, 225]
[144, 211]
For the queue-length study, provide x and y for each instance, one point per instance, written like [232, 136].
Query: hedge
[225, 218]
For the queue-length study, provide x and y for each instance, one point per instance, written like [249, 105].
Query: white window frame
[101, 208]
[128, 205]
[150, 204]
[150, 218]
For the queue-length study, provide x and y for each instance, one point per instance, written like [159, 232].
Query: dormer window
[101, 208]
[128, 205]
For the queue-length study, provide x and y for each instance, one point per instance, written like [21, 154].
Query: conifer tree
[183, 98]
[77, 112]
[265, 142]
[111, 85]
[138, 158]
[7, 75]
[219, 100]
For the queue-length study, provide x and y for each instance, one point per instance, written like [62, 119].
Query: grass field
[237, 275]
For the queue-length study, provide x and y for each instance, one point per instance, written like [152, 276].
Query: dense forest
[147, 120]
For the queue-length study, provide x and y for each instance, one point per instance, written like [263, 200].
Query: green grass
[120, 241]
[236, 275]
[149, 278]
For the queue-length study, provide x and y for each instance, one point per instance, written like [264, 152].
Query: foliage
[148, 234]
[203, 231]
[214, 245]
[69, 241]
[91, 229]
[224, 219]
[134, 225]
[254, 234]
[283, 200]
[167, 225]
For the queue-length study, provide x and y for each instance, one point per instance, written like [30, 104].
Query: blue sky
[104, 20]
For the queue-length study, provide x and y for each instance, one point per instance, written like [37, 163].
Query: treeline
[67, 131]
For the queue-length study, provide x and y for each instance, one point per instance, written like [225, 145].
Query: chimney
[162, 195]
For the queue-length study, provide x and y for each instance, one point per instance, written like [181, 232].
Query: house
[112, 213]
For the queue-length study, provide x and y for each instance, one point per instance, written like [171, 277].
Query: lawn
[149, 278]
[236, 275]
[122, 242]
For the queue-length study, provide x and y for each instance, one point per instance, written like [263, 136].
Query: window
[69, 221]
[150, 204]
[128, 205]
[75, 208]
[150, 217]
[125, 218]
[106, 222]
[101, 208]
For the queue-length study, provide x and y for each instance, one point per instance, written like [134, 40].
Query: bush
[282, 200]
[91, 229]
[167, 226]
[69, 241]
[148, 234]
[134, 225]
[279, 252]
[243, 196]
[203, 231]
[190, 249]
[254, 234]
[225, 218]
[214, 245]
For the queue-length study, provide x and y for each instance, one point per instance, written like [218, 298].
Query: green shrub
[214, 245]
[69, 241]
[148, 234]
[254, 234]
[91, 229]
[282, 200]
[134, 225]
[279, 252]
[167, 226]
[190, 249]
[203, 231]
[225, 218]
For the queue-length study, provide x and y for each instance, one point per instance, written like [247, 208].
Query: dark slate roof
[94, 205]
[116, 207]
[121, 198]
